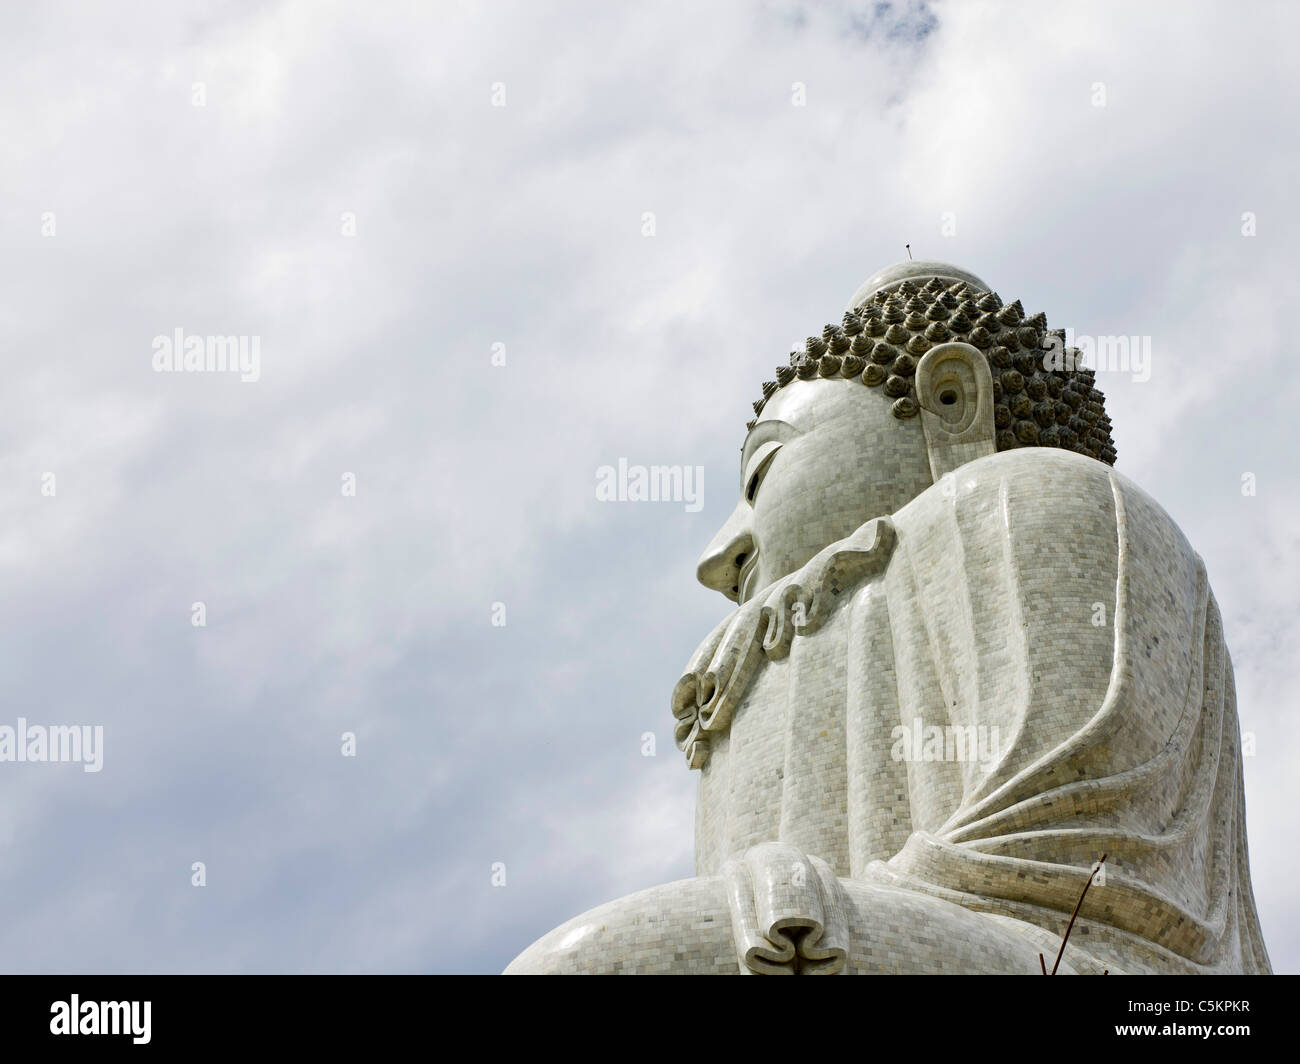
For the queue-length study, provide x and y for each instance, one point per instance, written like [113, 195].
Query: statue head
[929, 369]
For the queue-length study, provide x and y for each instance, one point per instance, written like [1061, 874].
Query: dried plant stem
[1070, 925]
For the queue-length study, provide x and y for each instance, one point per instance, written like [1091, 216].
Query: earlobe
[954, 389]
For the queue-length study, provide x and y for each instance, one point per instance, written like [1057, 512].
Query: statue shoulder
[1038, 492]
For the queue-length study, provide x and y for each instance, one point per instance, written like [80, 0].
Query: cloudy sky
[644, 205]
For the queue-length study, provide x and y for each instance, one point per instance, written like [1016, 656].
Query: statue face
[825, 457]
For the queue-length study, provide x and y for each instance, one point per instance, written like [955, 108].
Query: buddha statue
[966, 659]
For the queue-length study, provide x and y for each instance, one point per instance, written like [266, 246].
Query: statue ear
[954, 389]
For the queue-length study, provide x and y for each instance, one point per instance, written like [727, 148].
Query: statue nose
[720, 565]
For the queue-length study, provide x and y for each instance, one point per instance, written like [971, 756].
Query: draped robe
[1034, 594]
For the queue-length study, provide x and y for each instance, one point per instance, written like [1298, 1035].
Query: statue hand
[788, 913]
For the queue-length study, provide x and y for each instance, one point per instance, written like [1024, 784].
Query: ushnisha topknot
[881, 340]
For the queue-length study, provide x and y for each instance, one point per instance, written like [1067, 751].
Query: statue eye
[756, 478]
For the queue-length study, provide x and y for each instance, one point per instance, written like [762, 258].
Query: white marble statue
[968, 658]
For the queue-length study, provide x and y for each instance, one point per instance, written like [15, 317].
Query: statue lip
[746, 574]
